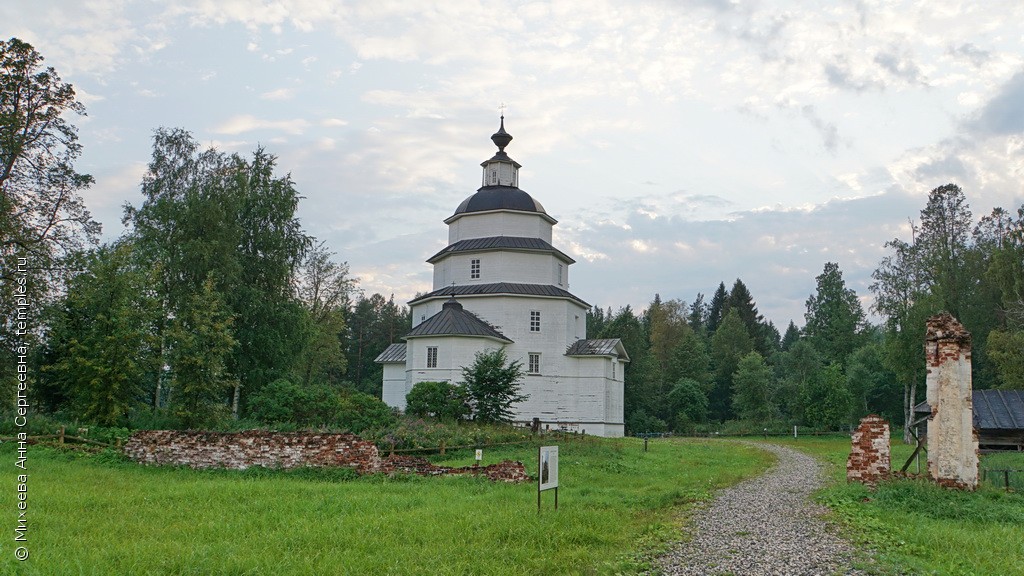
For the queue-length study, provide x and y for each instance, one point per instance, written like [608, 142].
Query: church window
[494, 176]
[474, 268]
[613, 369]
[533, 366]
[534, 321]
[431, 356]
[560, 274]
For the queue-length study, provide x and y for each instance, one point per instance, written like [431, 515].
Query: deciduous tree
[43, 218]
[493, 384]
[753, 391]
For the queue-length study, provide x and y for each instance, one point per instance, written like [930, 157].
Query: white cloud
[247, 123]
[279, 94]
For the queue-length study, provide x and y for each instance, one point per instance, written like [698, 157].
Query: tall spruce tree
[834, 317]
[718, 308]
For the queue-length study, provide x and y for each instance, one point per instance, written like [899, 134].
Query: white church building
[500, 283]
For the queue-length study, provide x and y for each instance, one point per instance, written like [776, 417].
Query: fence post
[442, 447]
[1006, 479]
[61, 437]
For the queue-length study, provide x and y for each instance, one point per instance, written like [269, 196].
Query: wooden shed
[998, 418]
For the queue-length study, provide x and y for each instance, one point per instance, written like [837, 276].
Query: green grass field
[617, 504]
[915, 527]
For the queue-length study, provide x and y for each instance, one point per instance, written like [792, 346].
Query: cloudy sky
[679, 144]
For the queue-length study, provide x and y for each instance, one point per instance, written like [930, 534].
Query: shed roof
[993, 409]
[454, 320]
[998, 409]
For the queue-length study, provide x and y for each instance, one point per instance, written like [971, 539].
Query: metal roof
[598, 347]
[998, 409]
[454, 320]
[490, 198]
[993, 409]
[393, 353]
[510, 288]
[500, 243]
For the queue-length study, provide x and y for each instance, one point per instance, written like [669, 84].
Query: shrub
[283, 401]
[359, 411]
[442, 400]
[640, 422]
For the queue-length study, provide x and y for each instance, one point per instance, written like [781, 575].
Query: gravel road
[765, 525]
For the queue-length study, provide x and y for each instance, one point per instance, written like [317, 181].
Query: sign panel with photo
[548, 467]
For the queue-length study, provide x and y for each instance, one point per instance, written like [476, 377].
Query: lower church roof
[393, 353]
[454, 320]
[599, 347]
[501, 288]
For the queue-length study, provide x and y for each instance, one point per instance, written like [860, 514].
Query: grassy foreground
[99, 515]
[916, 527]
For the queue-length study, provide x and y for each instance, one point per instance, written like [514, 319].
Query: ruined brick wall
[241, 450]
[869, 452]
[505, 471]
[952, 441]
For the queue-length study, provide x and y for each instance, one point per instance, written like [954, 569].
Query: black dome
[499, 198]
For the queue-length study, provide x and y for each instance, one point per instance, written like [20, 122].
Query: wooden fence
[62, 437]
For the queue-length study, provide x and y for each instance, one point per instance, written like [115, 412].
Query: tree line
[216, 304]
[698, 365]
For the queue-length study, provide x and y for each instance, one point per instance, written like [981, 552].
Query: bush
[358, 412]
[442, 400]
[640, 422]
[282, 401]
[411, 432]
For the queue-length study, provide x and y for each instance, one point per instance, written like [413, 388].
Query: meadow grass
[916, 527]
[617, 505]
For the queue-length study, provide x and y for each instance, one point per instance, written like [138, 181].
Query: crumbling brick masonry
[869, 453]
[241, 450]
[952, 440]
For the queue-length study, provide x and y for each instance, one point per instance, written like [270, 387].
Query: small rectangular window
[534, 321]
[431, 356]
[613, 370]
[474, 268]
[533, 366]
[559, 274]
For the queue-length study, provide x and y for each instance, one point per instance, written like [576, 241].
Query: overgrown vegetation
[616, 503]
[916, 527]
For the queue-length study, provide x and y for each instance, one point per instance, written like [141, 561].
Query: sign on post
[547, 466]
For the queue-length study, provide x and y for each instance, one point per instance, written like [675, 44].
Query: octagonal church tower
[500, 283]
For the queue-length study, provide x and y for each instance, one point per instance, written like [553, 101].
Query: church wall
[501, 266]
[453, 353]
[395, 385]
[486, 224]
[576, 398]
[510, 315]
